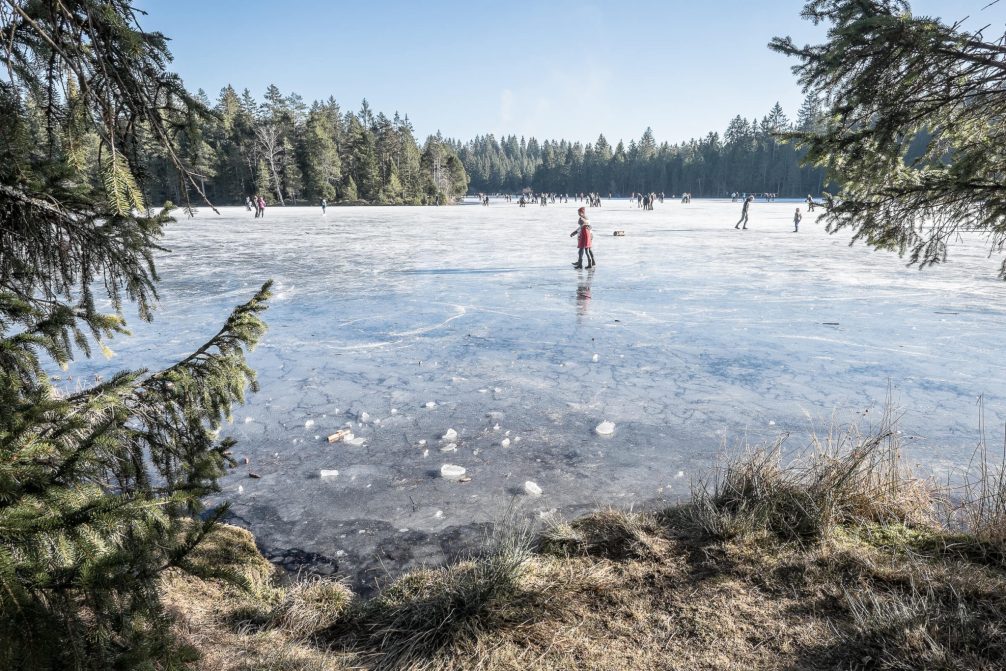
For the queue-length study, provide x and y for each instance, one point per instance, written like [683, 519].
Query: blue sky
[560, 68]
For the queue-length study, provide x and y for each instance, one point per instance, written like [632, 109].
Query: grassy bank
[839, 558]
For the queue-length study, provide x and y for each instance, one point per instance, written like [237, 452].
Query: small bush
[311, 605]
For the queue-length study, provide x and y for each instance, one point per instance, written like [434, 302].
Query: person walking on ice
[583, 241]
[324, 205]
[797, 218]
[744, 213]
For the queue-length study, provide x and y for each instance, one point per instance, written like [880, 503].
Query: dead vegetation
[837, 557]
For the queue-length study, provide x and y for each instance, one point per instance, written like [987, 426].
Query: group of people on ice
[256, 203]
[797, 216]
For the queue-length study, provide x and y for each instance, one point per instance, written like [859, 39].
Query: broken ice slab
[449, 436]
[605, 428]
[532, 489]
[452, 472]
[328, 473]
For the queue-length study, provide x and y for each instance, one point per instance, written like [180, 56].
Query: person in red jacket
[584, 241]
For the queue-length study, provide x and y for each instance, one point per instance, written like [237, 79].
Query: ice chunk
[394, 411]
[439, 514]
[356, 442]
[605, 428]
[595, 358]
[426, 453]
[516, 439]
[532, 488]
[505, 442]
[363, 417]
[496, 427]
[450, 447]
[241, 489]
[422, 442]
[450, 436]
[451, 472]
[308, 424]
[431, 404]
[679, 474]
[340, 553]
[329, 473]
[248, 420]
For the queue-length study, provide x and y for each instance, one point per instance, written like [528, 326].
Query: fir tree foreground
[914, 129]
[100, 485]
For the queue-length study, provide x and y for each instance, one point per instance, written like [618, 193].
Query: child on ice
[583, 242]
[797, 218]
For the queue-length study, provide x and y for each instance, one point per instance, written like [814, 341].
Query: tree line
[749, 156]
[291, 153]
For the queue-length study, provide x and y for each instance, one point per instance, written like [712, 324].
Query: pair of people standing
[584, 241]
[259, 203]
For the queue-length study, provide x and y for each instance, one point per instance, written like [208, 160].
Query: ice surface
[703, 333]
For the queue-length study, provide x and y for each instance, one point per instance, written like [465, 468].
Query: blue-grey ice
[689, 337]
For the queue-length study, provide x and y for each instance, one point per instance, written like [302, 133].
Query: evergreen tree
[101, 487]
[913, 132]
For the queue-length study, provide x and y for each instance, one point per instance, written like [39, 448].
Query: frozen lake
[703, 336]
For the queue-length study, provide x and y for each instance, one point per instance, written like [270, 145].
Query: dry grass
[835, 560]
[843, 478]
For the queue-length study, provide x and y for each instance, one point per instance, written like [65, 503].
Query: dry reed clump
[310, 605]
[425, 612]
[612, 534]
[842, 478]
[977, 506]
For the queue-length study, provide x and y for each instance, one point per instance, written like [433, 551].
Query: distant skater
[248, 203]
[583, 241]
[261, 206]
[744, 213]
[797, 218]
[324, 205]
[810, 203]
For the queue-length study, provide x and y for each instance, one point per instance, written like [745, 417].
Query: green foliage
[913, 126]
[749, 157]
[100, 489]
[284, 150]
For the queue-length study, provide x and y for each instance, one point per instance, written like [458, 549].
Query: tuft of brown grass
[309, 605]
[845, 477]
[611, 533]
